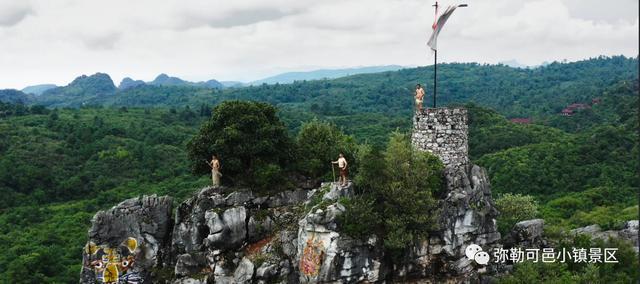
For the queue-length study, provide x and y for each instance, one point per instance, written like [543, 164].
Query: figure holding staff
[342, 165]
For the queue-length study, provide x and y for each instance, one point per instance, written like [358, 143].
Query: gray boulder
[336, 191]
[628, 233]
[258, 227]
[290, 197]
[526, 234]
[190, 264]
[191, 227]
[137, 230]
[244, 272]
[190, 281]
[228, 231]
[267, 271]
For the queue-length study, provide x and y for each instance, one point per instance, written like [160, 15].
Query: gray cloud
[608, 11]
[101, 41]
[12, 12]
[226, 15]
[247, 17]
[250, 39]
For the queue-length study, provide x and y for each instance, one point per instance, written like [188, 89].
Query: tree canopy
[249, 139]
[396, 200]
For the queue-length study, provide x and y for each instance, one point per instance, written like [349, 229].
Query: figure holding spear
[342, 165]
[333, 171]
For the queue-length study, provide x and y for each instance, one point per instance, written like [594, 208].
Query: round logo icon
[475, 252]
[481, 257]
[471, 250]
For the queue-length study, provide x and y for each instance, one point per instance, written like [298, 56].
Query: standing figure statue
[419, 97]
[215, 170]
[342, 165]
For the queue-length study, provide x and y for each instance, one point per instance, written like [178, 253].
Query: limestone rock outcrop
[236, 237]
[468, 213]
[327, 256]
[628, 233]
[526, 234]
[129, 240]
[232, 235]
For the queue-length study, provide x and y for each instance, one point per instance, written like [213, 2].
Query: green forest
[87, 146]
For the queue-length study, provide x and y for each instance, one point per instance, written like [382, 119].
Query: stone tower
[443, 132]
[468, 215]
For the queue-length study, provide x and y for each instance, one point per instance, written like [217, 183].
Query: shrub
[624, 271]
[396, 197]
[513, 209]
[360, 220]
[318, 144]
[607, 217]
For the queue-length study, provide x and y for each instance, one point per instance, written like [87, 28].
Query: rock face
[127, 241]
[225, 235]
[628, 233]
[236, 237]
[526, 234]
[468, 213]
[327, 256]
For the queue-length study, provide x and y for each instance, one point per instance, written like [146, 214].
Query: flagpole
[433, 43]
[435, 76]
[435, 65]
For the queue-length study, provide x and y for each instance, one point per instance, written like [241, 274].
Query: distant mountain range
[290, 77]
[127, 83]
[516, 64]
[38, 89]
[96, 84]
[102, 83]
[166, 80]
[14, 96]
[232, 84]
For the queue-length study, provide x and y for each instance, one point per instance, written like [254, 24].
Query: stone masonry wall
[443, 132]
[468, 214]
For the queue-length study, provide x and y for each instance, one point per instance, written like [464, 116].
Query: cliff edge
[231, 235]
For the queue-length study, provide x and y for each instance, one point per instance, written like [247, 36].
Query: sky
[54, 41]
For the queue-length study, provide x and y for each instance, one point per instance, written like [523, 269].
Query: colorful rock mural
[312, 257]
[113, 265]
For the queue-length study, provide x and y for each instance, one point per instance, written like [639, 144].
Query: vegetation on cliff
[396, 199]
[249, 139]
[59, 166]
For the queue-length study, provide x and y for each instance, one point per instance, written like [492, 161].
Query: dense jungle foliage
[78, 149]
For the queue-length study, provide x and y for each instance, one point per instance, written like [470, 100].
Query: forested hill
[368, 105]
[58, 167]
[514, 92]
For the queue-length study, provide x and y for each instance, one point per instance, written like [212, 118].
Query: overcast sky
[54, 41]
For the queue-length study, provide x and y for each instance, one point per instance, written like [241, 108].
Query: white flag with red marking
[438, 24]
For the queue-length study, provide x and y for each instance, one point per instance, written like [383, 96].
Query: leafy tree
[513, 209]
[320, 142]
[250, 141]
[59, 166]
[396, 195]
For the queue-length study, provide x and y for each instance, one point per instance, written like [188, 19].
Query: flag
[435, 19]
[437, 26]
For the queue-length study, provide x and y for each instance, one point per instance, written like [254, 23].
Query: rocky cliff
[231, 235]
